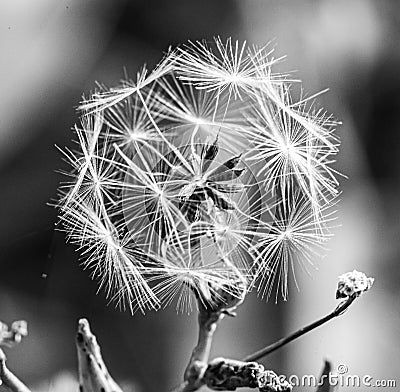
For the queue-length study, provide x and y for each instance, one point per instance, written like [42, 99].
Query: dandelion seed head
[200, 177]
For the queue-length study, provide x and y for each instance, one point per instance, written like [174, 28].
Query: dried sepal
[227, 375]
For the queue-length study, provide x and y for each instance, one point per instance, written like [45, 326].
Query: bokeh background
[53, 51]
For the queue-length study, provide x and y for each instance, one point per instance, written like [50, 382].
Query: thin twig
[8, 378]
[302, 331]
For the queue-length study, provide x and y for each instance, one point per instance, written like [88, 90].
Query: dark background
[53, 51]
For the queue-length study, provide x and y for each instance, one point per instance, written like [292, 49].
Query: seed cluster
[198, 175]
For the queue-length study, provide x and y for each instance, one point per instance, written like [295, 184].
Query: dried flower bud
[10, 337]
[353, 284]
[228, 374]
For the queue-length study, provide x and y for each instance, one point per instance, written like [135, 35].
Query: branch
[8, 378]
[350, 286]
[302, 331]
[224, 374]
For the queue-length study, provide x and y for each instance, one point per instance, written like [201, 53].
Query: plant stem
[8, 378]
[302, 331]
[207, 320]
[207, 325]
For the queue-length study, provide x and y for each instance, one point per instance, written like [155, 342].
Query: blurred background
[53, 51]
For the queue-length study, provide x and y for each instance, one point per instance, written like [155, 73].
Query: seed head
[199, 178]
